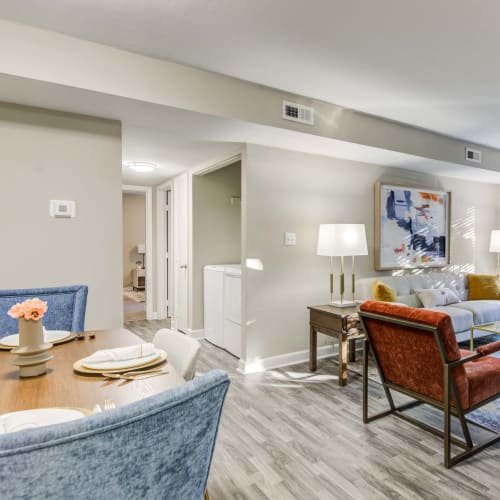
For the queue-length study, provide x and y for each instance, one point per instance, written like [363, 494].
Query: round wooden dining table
[62, 387]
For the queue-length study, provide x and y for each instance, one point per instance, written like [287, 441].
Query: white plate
[122, 363]
[49, 336]
[31, 419]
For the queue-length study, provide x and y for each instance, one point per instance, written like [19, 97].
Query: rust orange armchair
[417, 354]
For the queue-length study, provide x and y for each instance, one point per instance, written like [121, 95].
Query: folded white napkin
[121, 353]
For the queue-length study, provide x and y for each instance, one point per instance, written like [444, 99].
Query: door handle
[184, 266]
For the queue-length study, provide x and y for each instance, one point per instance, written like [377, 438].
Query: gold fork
[132, 375]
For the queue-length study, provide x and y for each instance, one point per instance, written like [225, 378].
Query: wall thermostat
[62, 208]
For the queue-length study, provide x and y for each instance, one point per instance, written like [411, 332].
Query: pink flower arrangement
[31, 309]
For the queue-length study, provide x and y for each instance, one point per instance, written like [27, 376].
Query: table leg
[313, 345]
[352, 350]
[471, 344]
[342, 359]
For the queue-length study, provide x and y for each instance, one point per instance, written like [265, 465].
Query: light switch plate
[290, 239]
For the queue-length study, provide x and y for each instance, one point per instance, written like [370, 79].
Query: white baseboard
[154, 316]
[196, 334]
[291, 358]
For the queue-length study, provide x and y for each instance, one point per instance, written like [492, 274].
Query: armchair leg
[447, 418]
[366, 418]
[205, 496]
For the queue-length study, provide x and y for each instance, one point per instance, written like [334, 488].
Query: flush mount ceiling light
[141, 166]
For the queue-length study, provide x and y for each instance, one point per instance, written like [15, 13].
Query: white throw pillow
[433, 297]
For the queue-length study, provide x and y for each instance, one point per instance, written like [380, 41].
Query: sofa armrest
[490, 348]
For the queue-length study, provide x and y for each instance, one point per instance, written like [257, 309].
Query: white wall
[134, 233]
[216, 227]
[288, 191]
[49, 155]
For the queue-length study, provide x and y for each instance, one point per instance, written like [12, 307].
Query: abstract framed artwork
[412, 227]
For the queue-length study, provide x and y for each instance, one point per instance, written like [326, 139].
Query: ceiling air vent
[298, 113]
[473, 155]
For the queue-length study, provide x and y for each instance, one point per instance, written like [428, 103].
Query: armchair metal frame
[450, 394]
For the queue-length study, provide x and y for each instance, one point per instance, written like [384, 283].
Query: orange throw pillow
[383, 292]
[483, 286]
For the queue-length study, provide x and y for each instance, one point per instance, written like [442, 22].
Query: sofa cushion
[406, 284]
[433, 297]
[383, 292]
[457, 282]
[483, 286]
[484, 311]
[410, 300]
[461, 319]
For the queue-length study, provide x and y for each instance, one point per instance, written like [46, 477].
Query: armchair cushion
[483, 376]
[409, 357]
[489, 348]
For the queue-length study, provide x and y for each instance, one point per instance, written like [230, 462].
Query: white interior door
[180, 204]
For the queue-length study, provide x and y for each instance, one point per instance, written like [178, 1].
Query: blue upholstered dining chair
[158, 448]
[66, 307]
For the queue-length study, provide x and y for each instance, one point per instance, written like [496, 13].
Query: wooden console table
[332, 321]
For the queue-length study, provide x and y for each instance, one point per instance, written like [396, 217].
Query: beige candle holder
[31, 355]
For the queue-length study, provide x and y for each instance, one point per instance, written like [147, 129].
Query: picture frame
[412, 227]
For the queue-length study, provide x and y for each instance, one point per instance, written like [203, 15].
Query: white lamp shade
[141, 248]
[495, 240]
[336, 240]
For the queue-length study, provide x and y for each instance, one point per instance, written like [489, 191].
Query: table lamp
[495, 247]
[341, 240]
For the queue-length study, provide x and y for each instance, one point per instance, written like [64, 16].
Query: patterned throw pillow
[383, 292]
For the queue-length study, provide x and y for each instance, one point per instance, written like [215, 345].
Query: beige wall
[134, 232]
[287, 191]
[48, 155]
[216, 227]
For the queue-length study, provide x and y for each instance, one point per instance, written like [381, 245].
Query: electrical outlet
[290, 239]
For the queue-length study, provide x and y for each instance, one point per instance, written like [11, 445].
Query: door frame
[148, 192]
[161, 238]
[201, 169]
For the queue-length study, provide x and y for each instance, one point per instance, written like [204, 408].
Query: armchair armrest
[490, 348]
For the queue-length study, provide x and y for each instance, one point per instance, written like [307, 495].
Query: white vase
[31, 355]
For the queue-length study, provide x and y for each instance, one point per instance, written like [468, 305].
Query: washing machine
[222, 306]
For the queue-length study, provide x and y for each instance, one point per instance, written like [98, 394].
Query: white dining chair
[182, 351]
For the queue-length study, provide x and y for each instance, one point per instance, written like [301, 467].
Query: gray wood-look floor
[290, 434]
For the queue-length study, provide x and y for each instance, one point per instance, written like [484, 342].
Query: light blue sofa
[464, 314]
[157, 448]
[66, 307]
